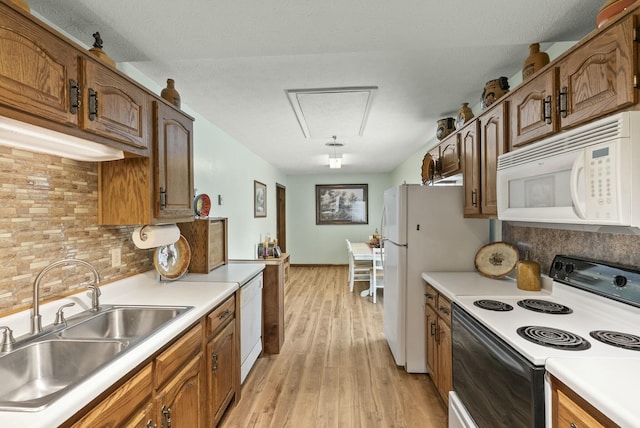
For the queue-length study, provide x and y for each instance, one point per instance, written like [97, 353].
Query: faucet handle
[7, 339]
[60, 319]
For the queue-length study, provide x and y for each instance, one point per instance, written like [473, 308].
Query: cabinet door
[450, 155]
[180, 404]
[471, 168]
[493, 142]
[533, 110]
[431, 320]
[221, 369]
[113, 107]
[173, 136]
[36, 69]
[597, 78]
[445, 374]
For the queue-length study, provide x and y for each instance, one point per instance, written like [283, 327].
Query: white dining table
[362, 252]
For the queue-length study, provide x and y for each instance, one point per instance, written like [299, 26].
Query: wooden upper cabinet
[113, 107]
[450, 155]
[470, 142]
[153, 190]
[173, 151]
[597, 78]
[36, 69]
[493, 142]
[533, 109]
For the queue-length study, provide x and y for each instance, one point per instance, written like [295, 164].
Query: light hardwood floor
[335, 368]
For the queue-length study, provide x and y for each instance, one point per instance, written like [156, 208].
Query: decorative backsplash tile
[48, 212]
[543, 244]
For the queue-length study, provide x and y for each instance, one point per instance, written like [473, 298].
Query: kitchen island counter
[142, 289]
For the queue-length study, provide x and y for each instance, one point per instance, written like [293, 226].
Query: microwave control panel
[601, 182]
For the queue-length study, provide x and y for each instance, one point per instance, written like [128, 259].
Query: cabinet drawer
[121, 405]
[175, 357]
[221, 315]
[444, 309]
[431, 296]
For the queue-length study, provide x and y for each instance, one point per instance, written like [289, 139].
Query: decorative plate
[427, 170]
[202, 205]
[497, 259]
[172, 261]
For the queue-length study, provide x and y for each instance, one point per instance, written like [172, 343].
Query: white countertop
[454, 284]
[143, 289]
[609, 384]
[238, 273]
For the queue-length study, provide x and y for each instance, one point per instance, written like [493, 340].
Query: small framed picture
[259, 199]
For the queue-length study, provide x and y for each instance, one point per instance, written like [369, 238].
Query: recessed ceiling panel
[323, 113]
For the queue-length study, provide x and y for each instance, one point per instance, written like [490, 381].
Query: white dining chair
[376, 279]
[358, 270]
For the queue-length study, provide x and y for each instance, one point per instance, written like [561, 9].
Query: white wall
[309, 243]
[223, 166]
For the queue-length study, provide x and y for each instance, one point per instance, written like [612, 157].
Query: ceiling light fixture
[335, 161]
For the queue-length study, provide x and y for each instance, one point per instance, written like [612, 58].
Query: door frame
[281, 216]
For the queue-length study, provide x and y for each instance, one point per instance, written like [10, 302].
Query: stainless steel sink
[36, 374]
[123, 322]
[43, 367]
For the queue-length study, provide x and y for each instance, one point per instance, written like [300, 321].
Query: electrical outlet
[116, 257]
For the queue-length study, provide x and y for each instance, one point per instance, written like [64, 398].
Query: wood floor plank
[335, 369]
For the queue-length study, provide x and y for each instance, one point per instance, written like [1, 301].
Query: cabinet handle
[429, 296]
[163, 198]
[166, 417]
[547, 110]
[224, 314]
[562, 101]
[444, 310]
[74, 96]
[150, 424]
[572, 425]
[433, 325]
[214, 362]
[474, 198]
[438, 334]
[93, 104]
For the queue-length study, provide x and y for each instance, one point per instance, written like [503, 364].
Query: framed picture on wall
[259, 199]
[342, 204]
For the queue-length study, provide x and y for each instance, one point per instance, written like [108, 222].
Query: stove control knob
[557, 266]
[620, 280]
[569, 268]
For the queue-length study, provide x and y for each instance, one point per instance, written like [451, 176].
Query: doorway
[281, 216]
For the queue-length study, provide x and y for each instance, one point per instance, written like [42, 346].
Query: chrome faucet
[36, 319]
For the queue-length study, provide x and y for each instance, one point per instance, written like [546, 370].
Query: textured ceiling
[234, 61]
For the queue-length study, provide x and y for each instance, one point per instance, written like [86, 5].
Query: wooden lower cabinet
[569, 410]
[189, 384]
[180, 402]
[438, 341]
[221, 370]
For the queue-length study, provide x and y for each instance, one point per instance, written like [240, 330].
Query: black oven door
[498, 387]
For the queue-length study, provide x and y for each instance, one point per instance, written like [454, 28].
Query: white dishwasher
[250, 324]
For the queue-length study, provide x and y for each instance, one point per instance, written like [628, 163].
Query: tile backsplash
[49, 211]
[543, 244]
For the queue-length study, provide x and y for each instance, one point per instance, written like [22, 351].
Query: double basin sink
[41, 369]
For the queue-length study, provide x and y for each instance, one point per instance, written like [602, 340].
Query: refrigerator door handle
[397, 244]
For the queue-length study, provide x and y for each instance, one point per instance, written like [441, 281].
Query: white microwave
[589, 175]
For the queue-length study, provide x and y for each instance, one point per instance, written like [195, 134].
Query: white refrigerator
[423, 230]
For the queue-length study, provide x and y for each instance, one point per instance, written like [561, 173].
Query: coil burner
[554, 338]
[617, 339]
[544, 306]
[493, 305]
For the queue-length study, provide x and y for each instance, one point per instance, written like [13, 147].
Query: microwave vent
[600, 131]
